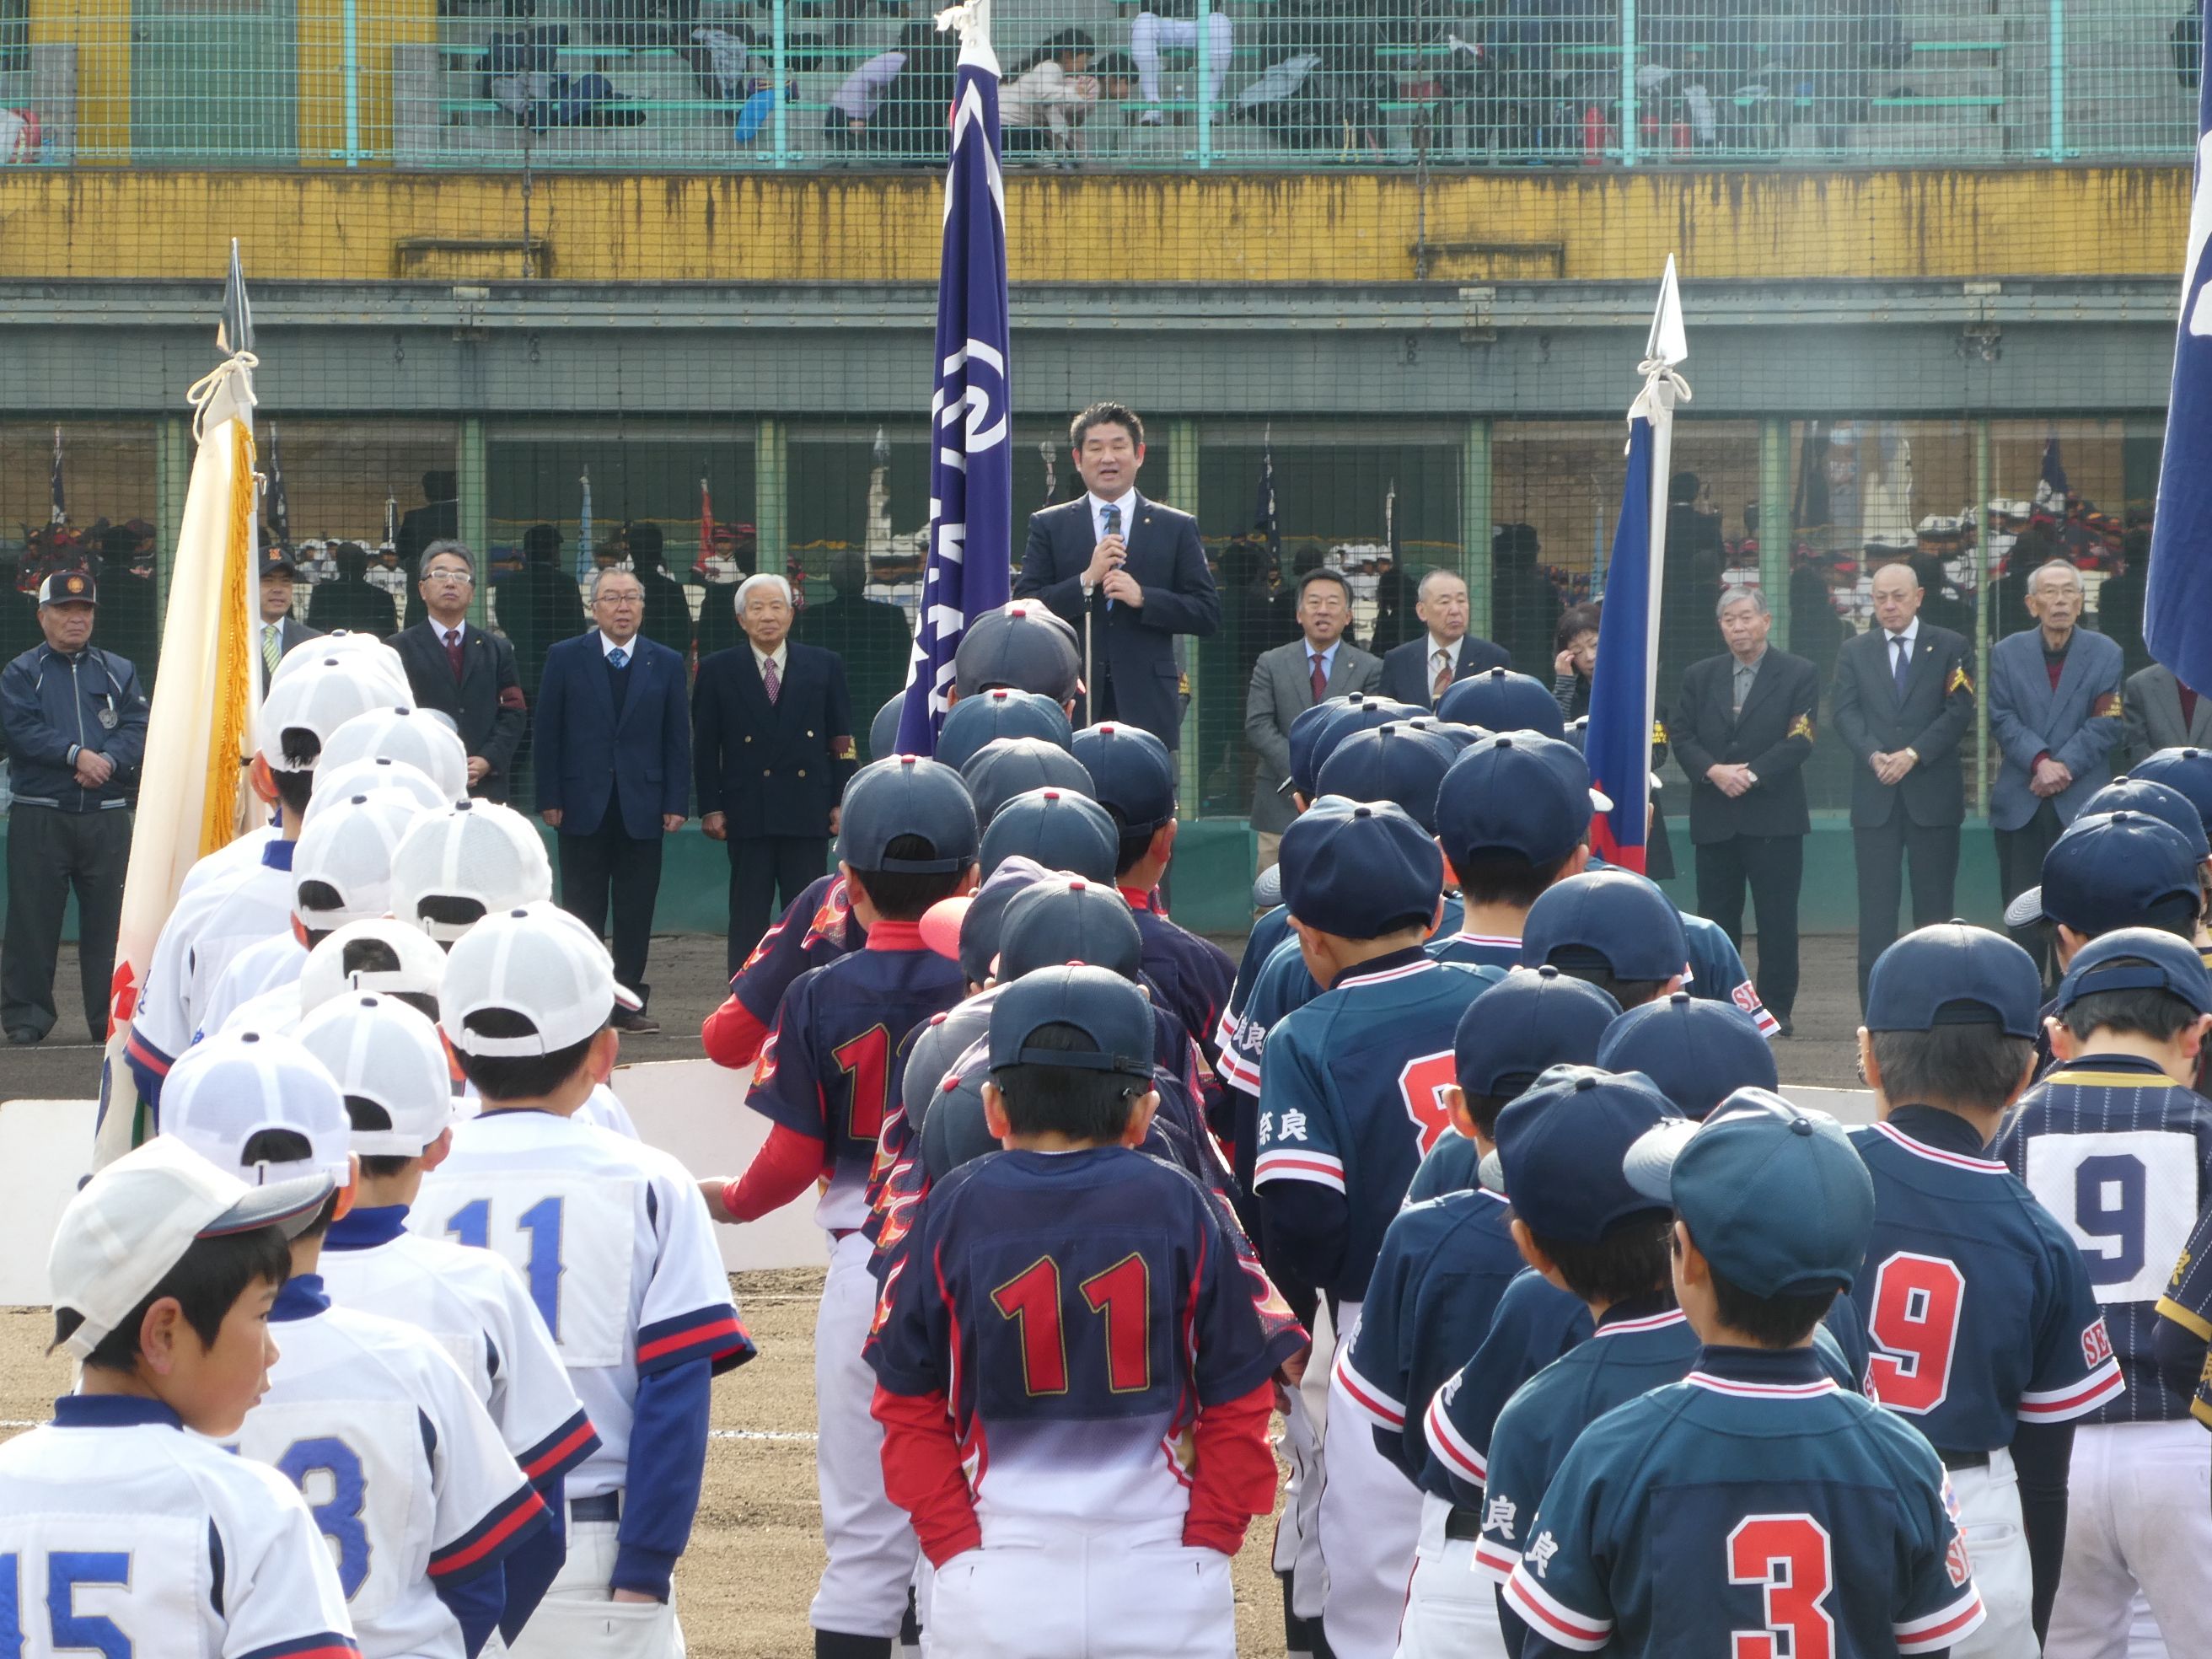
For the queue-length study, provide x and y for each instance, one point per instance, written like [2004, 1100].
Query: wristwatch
[1753, 775]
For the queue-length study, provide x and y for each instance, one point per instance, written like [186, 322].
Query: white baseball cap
[538, 962]
[337, 964]
[421, 737]
[362, 653]
[348, 849]
[477, 850]
[371, 777]
[383, 1052]
[320, 701]
[129, 1225]
[224, 1091]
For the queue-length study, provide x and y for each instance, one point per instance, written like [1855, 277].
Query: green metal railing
[720, 85]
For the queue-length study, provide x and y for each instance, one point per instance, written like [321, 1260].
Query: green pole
[1774, 527]
[2057, 84]
[1983, 597]
[771, 494]
[1182, 488]
[1205, 104]
[780, 48]
[1629, 114]
[472, 464]
[1475, 514]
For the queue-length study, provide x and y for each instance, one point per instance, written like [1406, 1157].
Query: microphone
[1112, 518]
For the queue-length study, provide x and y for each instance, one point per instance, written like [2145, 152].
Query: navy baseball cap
[1060, 829]
[1006, 767]
[1953, 974]
[1390, 763]
[1001, 712]
[2138, 959]
[1612, 917]
[1114, 1012]
[934, 1049]
[2188, 770]
[907, 795]
[1531, 1020]
[1697, 1053]
[967, 929]
[1460, 736]
[1776, 1196]
[1305, 731]
[275, 561]
[883, 730]
[1499, 700]
[69, 587]
[1132, 773]
[1021, 644]
[2160, 801]
[1356, 714]
[1360, 869]
[1562, 1148]
[1065, 919]
[2112, 870]
[1516, 793]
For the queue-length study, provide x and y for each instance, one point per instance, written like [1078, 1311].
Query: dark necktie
[454, 651]
[1904, 662]
[771, 681]
[1320, 677]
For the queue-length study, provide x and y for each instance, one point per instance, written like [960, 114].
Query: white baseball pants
[576, 1620]
[1997, 1546]
[873, 1551]
[1370, 1523]
[2138, 1515]
[1038, 1590]
[1451, 1610]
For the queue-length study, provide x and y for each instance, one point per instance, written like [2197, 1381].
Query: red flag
[706, 530]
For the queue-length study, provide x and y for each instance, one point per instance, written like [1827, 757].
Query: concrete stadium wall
[1224, 229]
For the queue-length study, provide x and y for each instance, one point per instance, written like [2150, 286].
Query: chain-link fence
[718, 85]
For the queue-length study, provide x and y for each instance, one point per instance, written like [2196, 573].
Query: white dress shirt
[609, 646]
[1128, 502]
[761, 659]
[1912, 638]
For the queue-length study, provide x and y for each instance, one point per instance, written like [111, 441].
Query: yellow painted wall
[322, 74]
[1222, 228]
[100, 31]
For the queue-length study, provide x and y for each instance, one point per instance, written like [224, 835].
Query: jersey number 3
[1787, 1556]
[1914, 1322]
[65, 1570]
[1121, 1295]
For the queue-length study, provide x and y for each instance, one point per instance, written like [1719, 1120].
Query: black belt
[604, 1506]
[1463, 1523]
[1958, 1460]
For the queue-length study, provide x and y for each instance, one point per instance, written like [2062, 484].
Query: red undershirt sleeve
[1235, 1473]
[787, 1164]
[922, 1473]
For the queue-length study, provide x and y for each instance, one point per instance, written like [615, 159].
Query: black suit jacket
[356, 603]
[1934, 717]
[1133, 645]
[1772, 737]
[1406, 667]
[292, 634]
[775, 768]
[486, 705]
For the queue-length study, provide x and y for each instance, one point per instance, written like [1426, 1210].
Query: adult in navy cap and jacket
[1134, 566]
[772, 748]
[614, 770]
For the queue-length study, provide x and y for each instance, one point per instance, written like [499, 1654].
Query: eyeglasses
[461, 576]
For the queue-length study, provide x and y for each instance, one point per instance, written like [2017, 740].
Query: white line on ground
[795, 1435]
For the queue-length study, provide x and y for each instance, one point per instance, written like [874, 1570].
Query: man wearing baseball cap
[279, 631]
[74, 720]
[164, 1268]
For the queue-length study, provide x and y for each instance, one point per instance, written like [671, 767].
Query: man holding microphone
[1127, 573]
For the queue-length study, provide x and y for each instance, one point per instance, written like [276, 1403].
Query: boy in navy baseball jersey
[1074, 1372]
[615, 1245]
[2117, 1145]
[118, 1533]
[907, 838]
[815, 929]
[1512, 816]
[1754, 1507]
[1612, 928]
[1354, 1094]
[1985, 1335]
[1699, 1052]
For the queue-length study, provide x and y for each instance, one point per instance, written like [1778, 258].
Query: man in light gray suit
[1291, 679]
[2164, 714]
[2055, 710]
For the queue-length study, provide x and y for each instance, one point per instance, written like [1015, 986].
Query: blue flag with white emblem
[971, 455]
[2177, 606]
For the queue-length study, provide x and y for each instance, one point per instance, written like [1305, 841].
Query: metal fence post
[1474, 567]
[779, 46]
[351, 70]
[1775, 535]
[1984, 488]
[1182, 487]
[771, 492]
[2058, 83]
[1205, 103]
[1628, 111]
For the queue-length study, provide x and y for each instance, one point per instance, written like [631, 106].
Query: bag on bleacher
[517, 69]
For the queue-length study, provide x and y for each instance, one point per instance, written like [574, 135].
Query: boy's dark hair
[1770, 1321]
[289, 1146]
[1483, 1109]
[367, 1117]
[904, 895]
[1974, 1065]
[295, 786]
[1501, 877]
[1588, 963]
[207, 1282]
[2157, 1015]
[1105, 414]
[319, 898]
[519, 1077]
[1630, 1260]
[1082, 1105]
[1132, 848]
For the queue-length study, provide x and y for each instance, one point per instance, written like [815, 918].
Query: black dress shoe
[1788, 1029]
[24, 1034]
[635, 1022]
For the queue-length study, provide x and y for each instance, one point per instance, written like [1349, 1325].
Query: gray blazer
[1282, 690]
[2078, 725]
[2152, 702]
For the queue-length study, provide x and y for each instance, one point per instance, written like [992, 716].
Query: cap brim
[1649, 1164]
[290, 1205]
[1600, 801]
[1490, 1174]
[626, 998]
[2026, 910]
[940, 926]
[1267, 890]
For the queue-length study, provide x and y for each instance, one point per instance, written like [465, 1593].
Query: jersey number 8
[308, 1464]
[1423, 1082]
[91, 1632]
[1787, 1556]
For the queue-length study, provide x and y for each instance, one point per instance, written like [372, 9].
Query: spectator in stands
[667, 601]
[871, 636]
[736, 551]
[1171, 24]
[439, 519]
[894, 103]
[1045, 99]
[2120, 600]
[1248, 606]
[538, 604]
[1524, 606]
[1576, 638]
[129, 599]
[350, 599]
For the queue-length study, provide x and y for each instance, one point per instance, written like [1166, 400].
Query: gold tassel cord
[234, 680]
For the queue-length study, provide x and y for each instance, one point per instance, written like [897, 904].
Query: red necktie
[453, 650]
[1319, 678]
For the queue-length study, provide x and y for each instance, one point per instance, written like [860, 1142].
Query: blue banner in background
[1617, 743]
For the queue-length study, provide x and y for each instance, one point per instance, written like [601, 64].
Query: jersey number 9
[91, 1632]
[1914, 1322]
